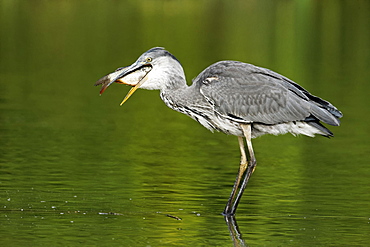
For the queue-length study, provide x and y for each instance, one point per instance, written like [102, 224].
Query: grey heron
[231, 97]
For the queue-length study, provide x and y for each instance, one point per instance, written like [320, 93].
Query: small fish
[131, 79]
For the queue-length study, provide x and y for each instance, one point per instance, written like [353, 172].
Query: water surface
[76, 168]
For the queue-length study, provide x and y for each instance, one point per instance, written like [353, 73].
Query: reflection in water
[235, 234]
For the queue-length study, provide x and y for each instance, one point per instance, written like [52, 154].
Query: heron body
[231, 97]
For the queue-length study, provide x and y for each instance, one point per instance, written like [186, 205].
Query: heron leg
[246, 169]
[247, 130]
[243, 166]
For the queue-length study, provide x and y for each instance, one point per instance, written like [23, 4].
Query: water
[76, 168]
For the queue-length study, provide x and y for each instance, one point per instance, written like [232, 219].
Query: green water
[78, 169]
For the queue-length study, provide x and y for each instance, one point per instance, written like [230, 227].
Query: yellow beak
[132, 90]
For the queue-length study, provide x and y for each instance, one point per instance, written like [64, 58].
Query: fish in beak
[133, 75]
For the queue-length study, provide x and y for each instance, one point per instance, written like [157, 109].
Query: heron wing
[248, 93]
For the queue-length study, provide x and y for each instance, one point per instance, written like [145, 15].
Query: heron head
[146, 72]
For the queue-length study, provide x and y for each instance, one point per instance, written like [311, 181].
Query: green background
[78, 169]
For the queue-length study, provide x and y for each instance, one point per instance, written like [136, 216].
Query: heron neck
[174, 79]
[175, 82]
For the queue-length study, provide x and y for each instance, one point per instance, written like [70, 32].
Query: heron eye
[148, 59]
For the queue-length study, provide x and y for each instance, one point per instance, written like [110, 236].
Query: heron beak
[133, 75]
[132, 90]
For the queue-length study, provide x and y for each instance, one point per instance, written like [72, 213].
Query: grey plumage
[232, 97]
[247, 93]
